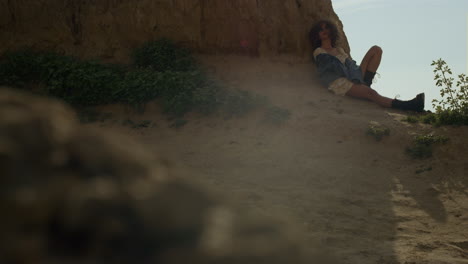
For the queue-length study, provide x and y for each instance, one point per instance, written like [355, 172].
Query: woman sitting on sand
[341, 75]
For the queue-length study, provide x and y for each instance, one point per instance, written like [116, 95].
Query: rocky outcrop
[69, 194]
[111, 28]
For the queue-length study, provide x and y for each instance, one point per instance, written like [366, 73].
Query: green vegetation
[422, 146]
[428, 118]
[452, 109]
[160, 71]
[377, 131]
[430, 139]
[80, 83]
[411, 119]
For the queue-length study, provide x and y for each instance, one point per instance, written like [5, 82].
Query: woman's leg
[365, 92]
[371, 60]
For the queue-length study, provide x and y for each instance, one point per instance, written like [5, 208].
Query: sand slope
[367, 201]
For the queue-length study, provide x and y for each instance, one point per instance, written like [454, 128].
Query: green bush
[445, 117]
[19, 68]
[411, 119]
[377, 130]
[452, 109]
[429, 118]
[178, 92]
[139, 87]
[165, 72]
[163, 55]
[430, 139]
[82, 83]
[452, 117]
[422, 145]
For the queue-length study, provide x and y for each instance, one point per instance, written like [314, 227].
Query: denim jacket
[330, 68]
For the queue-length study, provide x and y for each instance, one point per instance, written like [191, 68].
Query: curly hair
[314, 33]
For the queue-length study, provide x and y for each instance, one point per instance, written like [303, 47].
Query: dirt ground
[366, 201]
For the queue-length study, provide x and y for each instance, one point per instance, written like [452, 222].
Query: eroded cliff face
[111, 28]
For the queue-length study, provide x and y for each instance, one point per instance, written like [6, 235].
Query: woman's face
[324, 33]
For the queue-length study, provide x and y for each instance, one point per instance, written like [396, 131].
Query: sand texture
[366, 201]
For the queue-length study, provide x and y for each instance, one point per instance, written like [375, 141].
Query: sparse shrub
[80, 83]
[377, 131]
[452, 109]
[422, 145]
[429, 118]
[451, 117]
[139, 87]
[165, 72]
[84, 83]
[430, 139]
[411, 119]
[19, 68]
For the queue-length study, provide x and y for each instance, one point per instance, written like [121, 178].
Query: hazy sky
[411, 33]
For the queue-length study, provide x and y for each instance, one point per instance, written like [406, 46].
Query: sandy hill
[365, 200]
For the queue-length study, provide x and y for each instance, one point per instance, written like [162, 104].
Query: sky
[412, 33]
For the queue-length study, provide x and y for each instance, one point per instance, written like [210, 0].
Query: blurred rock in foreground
[70, 194]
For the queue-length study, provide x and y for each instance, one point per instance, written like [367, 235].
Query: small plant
[377, 131]
[139, 87]
[422, 146]
[430, 139]
[429, 118]
[452, 109]
[411, 119]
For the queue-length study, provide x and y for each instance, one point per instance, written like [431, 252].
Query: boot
[416, 104]
[368, 77]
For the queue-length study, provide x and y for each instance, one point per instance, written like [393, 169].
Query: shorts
[340, 86]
